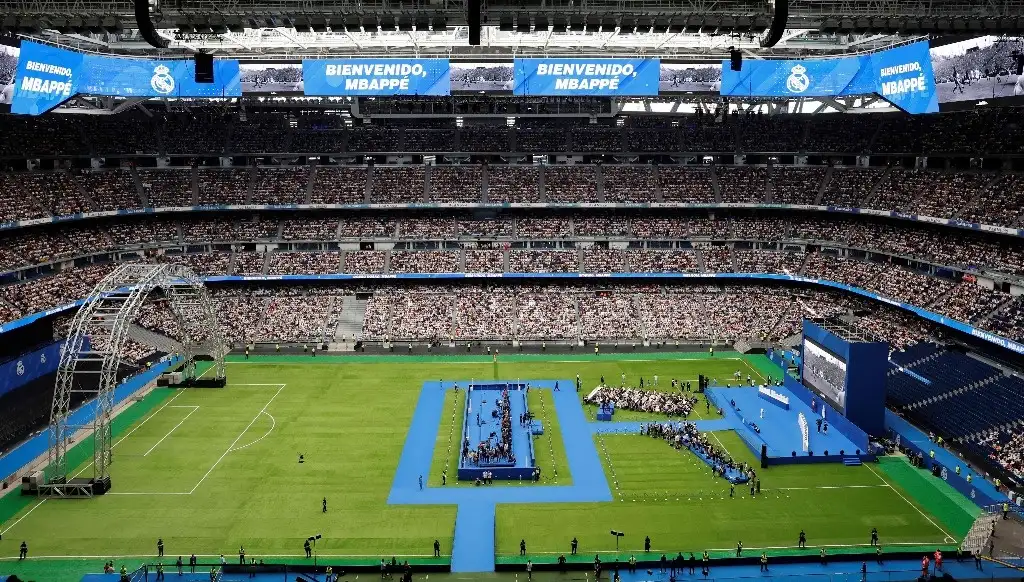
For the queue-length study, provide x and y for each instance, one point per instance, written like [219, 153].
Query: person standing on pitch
[192, 564]
[241, 555]
[874, 536]
[309, 551]
[437, 549]
[178, 564]
[421, 482]
[325, 505]
[160, 547]
[23, 553]
[573, 545]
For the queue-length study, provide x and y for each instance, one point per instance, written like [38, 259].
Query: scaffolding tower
[95, 344]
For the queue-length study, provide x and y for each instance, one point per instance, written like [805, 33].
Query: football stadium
[486, 290]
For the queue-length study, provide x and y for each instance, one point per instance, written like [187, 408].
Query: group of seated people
[668, 403]
[1007, 450]
[214, 133]
[661, 313]
[685, 434]
[969, 195]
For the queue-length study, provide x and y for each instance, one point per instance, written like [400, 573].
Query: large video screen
[825, 373]
[979, 68]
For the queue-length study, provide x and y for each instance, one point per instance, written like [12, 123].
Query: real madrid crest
[798, 81]
[162, 81]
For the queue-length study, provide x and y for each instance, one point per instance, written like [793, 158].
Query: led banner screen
[355, 77]
[980, 68]
[825, 373]
[799, 78]
[903, 76]
[578, 77]
[47, 76]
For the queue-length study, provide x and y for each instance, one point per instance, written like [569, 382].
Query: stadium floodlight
[593, 24]
[608, 24]
[644, 24]
[677, 25]
[318, 23]
[234, 24]
[405, 23]
[505, 23]
[523, 24]
[660, 25]
[559, 23]
[387, 23]
[627, 25]
[576, 22]
[540, 23]
[694, 24]
[302, 24]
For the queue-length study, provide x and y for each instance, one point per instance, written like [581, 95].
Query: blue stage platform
[481, 421]
[780, 429]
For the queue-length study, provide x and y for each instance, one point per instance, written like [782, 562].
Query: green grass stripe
[398, 357]
[951, 508]
[449, 433]
[549, 448]
[14, 503]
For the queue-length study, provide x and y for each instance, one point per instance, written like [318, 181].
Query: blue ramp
[473, 547]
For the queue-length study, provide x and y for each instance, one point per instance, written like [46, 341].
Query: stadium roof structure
[689, 30]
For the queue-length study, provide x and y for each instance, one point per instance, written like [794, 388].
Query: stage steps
[852, 461]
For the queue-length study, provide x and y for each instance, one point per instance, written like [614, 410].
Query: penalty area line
[194, 408]
[240, 435]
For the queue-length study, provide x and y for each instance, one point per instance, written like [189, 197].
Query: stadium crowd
[627, 398]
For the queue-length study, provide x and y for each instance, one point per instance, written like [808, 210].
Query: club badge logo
[798, 81]
[162, 81]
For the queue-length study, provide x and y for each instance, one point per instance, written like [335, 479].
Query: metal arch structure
[104, 321]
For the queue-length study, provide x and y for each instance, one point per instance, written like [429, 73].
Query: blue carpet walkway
[476, 504]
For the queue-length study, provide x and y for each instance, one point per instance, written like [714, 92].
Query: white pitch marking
[135, 428]
[194, 408]
[145, 493]
[273, 424]
[22, 517]
[923, 514]
[240, 435]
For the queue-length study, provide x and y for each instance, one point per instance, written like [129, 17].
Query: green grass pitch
[209, 470]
